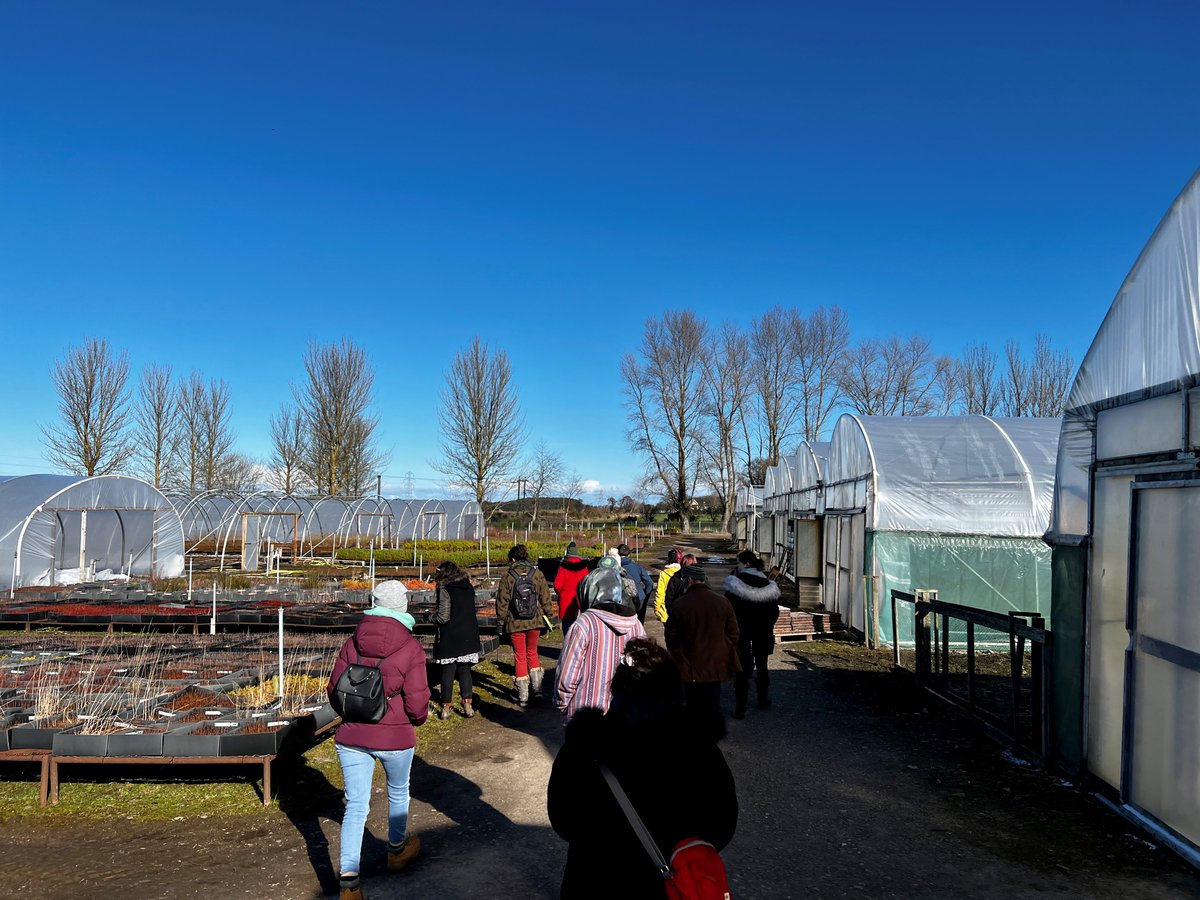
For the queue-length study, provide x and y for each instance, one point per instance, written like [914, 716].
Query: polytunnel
[464, 520]
[748, 505]
[1125, 530]
[807, 506]
[64, 529]
[956, 503]
[769, 538]
[419, 520]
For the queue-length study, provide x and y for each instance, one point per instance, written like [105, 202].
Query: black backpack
[358, 695]
[524, 596]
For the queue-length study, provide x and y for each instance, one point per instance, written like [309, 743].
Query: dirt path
[849, 786]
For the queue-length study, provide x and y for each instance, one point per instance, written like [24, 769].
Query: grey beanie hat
[694, 572]
[391, 595]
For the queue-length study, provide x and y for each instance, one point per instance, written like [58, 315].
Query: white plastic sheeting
[812, 458]
[53, 524]
[1147, 345]
[946, 475]
[319, 526]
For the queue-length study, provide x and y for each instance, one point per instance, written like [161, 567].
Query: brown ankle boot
[401, 856]
[351, 890]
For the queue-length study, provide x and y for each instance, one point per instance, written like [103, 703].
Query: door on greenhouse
[1160, 775]
[843, 568]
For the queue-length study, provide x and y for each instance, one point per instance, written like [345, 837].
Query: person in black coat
[755, 600]
[456, 647]
[688, 793]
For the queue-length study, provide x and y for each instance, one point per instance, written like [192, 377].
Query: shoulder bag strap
[639, 827]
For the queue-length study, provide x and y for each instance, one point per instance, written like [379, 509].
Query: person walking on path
[383, 638]
[676, 584]
[456, 647]
[643, 579]
[522, 608]
[702, 635]
[755, 601]
[571, 571]
[664, 577]
[692, 795]
[592, 648]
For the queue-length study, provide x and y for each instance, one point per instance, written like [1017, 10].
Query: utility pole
[378, 487]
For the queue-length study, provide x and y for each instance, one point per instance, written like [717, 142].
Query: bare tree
[206, 434]
[977, 381]
[334, 406]
[288, 451]
[664, 392]
[482, 428]
[1053, 371]
[156, 433]
[775, 356]
[90, 437]
[572, 489]
[1037, 386]
[238, 473]
[727, 378]
[822, 339]
[947, 390]
[543, 470]
[190, 403]
[891, 377]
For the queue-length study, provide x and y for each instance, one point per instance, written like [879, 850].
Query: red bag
[697, 872]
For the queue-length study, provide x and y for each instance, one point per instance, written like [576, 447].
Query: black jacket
[689, 792]
[458, 627]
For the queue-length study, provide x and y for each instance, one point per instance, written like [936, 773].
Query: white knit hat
[391, 595]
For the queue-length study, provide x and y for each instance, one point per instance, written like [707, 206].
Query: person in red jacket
[384, 639]
[571, 571]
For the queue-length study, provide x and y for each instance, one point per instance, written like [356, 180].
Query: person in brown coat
[702, 635]
[523, 630]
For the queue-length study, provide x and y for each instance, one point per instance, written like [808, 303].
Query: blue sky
[214, 185]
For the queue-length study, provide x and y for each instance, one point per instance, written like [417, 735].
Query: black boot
[763, 681]
[741, 692]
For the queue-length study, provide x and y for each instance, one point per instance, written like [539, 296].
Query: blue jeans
[358, 770]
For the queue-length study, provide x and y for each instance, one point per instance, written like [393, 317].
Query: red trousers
[525, 651]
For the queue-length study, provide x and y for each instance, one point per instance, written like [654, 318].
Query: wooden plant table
[37, 756]
[264, 761]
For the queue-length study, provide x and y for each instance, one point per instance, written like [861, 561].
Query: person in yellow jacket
[660, 590]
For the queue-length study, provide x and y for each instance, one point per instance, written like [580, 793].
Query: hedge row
[455, 551]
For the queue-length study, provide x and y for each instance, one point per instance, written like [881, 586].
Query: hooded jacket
[660, 595]
[504, 593]
[591, 652]
[751, 586]
[384, 638]
[571, 571]
[755, 600]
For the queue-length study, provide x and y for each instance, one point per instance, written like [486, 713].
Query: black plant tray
[71, 743]
[148, 743]
[181, 741]
[264, 744]
[30, 737]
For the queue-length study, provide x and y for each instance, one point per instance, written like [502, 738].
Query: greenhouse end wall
[990, 573]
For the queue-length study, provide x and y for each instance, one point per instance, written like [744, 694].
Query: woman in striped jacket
[592, 649]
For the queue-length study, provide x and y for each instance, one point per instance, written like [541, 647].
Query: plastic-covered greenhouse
[65, 529]
[1126, 531]
[224, 522]
[747, 507]
[958, 504]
